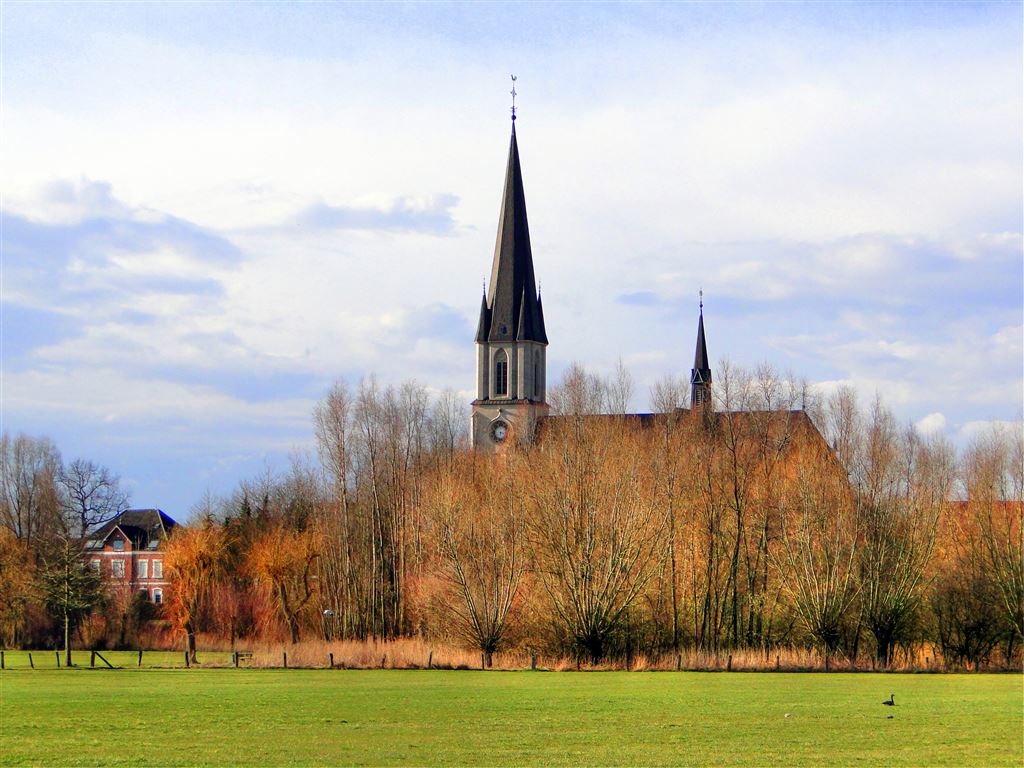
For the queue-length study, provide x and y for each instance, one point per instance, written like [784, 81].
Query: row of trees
[739, 529]
[47, 507]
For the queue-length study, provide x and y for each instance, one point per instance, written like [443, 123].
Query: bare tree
[69, 588]
[450, 426]
[341, 588]
[619, 390]
[994, 478]
[283, 561]
[195, 561]
[473, 509]
[580, 393]
[593, 528]
[29, 499]
[669, 393]
[17, 571]
[902, 487]
[818, 555]
[90, 495]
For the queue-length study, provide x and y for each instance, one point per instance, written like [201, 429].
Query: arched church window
[501, 373]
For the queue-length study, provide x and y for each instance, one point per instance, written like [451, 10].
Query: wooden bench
[238, 656]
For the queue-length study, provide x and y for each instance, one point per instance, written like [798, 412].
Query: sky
[210, 212]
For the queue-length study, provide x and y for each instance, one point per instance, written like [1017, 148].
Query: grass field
[304, 717]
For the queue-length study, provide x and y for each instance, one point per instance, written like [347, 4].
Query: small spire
[513, 92]
[538, 290]
[702, 301]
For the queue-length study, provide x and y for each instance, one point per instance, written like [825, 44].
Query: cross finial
[701, 299]
[513, 92]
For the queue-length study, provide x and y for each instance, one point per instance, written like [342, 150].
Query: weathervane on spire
[701, 299]
[513, 92]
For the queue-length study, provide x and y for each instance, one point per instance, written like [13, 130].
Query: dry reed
[418, 653]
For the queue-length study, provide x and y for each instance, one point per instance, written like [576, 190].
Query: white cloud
[973, 430]
[933, 422]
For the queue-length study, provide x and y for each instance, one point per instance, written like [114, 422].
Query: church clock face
[499, 431]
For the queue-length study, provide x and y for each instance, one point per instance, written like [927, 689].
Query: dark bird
[890, 702]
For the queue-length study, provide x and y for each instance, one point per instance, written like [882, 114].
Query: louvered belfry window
[501, 373]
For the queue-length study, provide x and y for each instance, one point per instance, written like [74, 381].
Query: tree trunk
[67, 639]
[190, 642]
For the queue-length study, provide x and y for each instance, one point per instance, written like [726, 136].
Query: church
[511, 340]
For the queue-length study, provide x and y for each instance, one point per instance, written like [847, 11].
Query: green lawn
[303, 717]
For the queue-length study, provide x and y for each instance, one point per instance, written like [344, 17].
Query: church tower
[700, 376]
[511, 344]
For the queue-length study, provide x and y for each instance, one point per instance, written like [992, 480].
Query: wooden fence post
[679, 662]
[92, 659]
[482, 665]
[778, 663]
[30, 662]
[57, 654]
[430, 659]
[533, 660]
[383, 660]
[140, 657]
[729, 663]
[284, 658]
[1, 660]
[330, 657]
[826, 662]
[186, 660]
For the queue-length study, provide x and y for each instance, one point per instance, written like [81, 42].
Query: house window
[158, 596]
[117, 567]
[95, 565]
[501, 373]
[118, 545]
[143, 569]
[158, 569]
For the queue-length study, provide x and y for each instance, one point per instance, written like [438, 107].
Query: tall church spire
[700, 375]
[511, 365]
[514, 312]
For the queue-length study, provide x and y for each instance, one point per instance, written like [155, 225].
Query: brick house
[128, 551]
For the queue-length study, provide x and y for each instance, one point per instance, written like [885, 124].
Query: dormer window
[501, 373]
[118, 545]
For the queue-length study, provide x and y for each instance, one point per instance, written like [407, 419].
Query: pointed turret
[700, 374]
[512, 293]
[484, 325]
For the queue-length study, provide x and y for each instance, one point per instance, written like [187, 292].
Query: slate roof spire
[700, 375]
[511, 310]
[701, 367]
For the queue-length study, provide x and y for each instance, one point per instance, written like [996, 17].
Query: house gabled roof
[145, 528]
